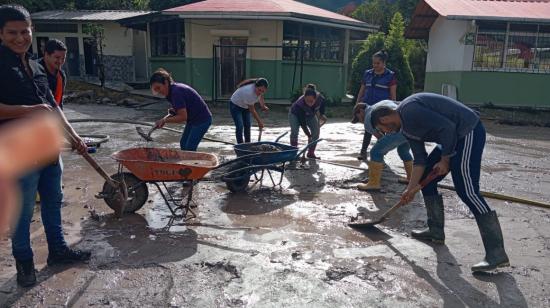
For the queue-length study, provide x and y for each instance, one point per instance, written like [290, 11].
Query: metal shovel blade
[365, 223]
[144, 135]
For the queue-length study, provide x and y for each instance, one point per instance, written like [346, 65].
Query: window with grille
[320, 44]
[56, 28]
[502, 46]
[168, 39]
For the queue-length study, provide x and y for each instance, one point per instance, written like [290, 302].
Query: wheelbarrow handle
[253, 155]
[281, 136]
[304, 149]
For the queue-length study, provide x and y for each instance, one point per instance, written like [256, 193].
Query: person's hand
[378, 135]
[261, 125]
[160, 123]
[79, 145]
[322, 120]
[408, 195]
[172, 111]
[264, 107]
[442, 166]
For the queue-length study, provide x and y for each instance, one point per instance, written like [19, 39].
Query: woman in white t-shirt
[242, 103]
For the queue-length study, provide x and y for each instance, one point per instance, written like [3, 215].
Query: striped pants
[465, 169]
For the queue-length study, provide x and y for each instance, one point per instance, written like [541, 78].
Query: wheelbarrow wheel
[238, 182]
[137, 192]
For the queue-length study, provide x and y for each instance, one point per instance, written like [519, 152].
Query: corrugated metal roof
[263, 8]
[87, 15]
[427, 11]
[526, 10]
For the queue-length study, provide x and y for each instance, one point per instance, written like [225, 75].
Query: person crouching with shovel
[303, 113]
[362, 114]
[187, 106]
[460, 135]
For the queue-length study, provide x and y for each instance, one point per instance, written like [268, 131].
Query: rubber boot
[311, 152]
[26, 274]
[294, 142]
[436, 219]
[491, 235]
[375, 177]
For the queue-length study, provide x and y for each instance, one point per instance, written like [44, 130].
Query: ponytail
[258, 82]
[161, 76]
[382, 55]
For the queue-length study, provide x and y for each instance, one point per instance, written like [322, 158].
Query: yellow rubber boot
[408, 165]
[375, 177]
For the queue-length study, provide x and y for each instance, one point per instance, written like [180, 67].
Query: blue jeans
[465, 169]
[389, 142]
[311, 122]
[241, 117]
[47, 181]
[192, 135]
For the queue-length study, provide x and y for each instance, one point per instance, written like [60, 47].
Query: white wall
[201, 35]
[118, 39]
[446, 49]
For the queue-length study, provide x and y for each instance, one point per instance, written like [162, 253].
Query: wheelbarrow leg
[164, 197]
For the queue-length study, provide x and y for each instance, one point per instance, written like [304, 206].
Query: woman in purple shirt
[187, 106]
[303, 113]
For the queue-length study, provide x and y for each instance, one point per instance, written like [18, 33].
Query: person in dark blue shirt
[24, 90]
[378, 84]
[460, 135]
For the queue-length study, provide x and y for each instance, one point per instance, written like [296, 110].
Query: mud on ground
[290, 247]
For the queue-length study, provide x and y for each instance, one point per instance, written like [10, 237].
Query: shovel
[145, 135]
[120, 190]
[365, 223]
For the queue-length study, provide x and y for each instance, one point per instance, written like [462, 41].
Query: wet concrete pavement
[290, 246]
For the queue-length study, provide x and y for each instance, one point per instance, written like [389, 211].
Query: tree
[111, 4]
[159, 5]
[97, 32]
[398, 57]
[395, 44]
[376, 12]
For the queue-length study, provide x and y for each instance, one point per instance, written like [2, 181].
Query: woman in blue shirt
[378, 83]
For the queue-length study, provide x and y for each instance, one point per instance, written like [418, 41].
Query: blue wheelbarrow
[265, 157]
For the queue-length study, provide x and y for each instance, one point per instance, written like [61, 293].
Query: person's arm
[359, 97]
[8, 112]
[393, 92]
[302, 120]
[262, 103]
[322, 109]
[393, 88]
[180, 116]
[256, 116]
[76, 141]
[420, 156]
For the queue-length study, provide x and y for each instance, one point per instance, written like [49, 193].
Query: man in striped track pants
[460, 138]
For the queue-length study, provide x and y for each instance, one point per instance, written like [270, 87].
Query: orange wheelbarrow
[158, 166]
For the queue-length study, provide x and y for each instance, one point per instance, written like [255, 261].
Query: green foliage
[376, 12]
[159, 5]
[111, 4]
[395, 44]
[418, 52]
[398, 60]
